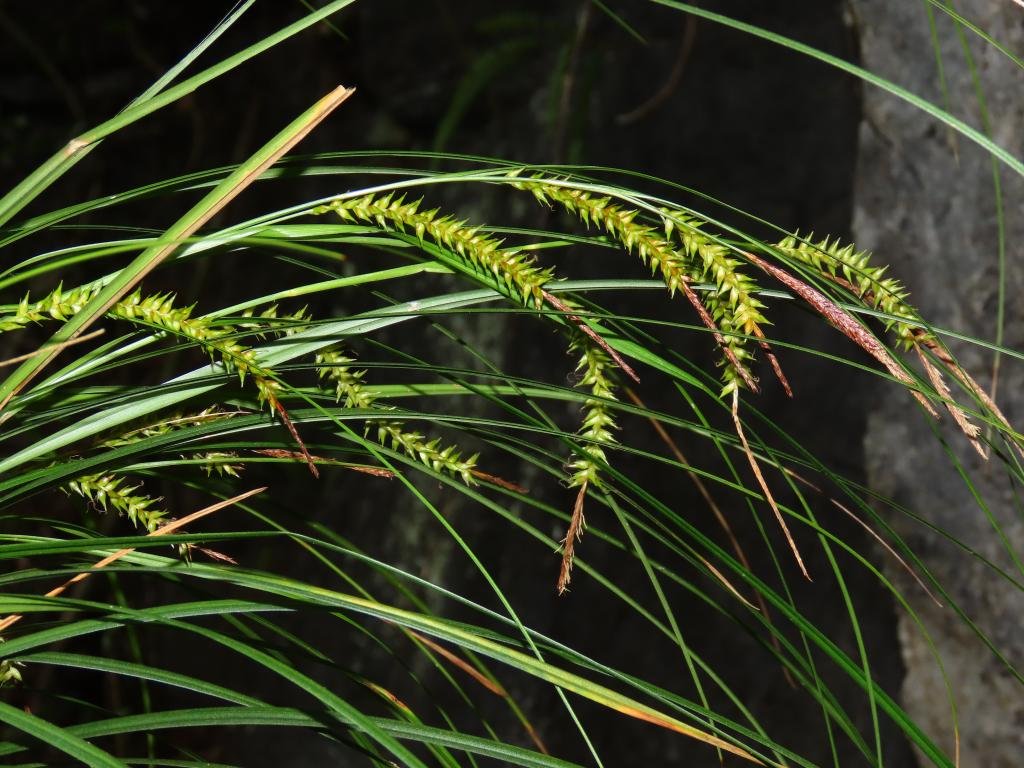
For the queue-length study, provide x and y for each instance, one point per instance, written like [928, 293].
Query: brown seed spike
[846, 324]
[576, 525]
[964, 378]
[935, 377]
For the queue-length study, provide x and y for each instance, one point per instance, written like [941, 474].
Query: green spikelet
[733, 304]
[109, 492]
[271, 323]
[427, 451]
[853, 269]
[211, 462]
[9, 672]
[595, 371]
[335, 367]
[57, 305]
[219, 463]
[731, 309]
[166, 424]
[348, 384]
[158, 311]
[218, 341]
[515, 272]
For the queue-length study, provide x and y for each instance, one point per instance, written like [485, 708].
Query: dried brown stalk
[764, 485]
[773, 360]
[499, 481]
[578, 322]
[275, 405]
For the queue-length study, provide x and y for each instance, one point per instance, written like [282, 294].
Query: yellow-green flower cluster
[58, 305]
[348, 384]
[219, 341]
[595, 374]
[157, 311]
[349, 387]
[270, 322]
[9, 672]
[513, 271]
[867, 281]
[212, 462]
[109, 492]
[732, 308]
[733, 304]
[219, 463]
[165, 425]
[427, 451]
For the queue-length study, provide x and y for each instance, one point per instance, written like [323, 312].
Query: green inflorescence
[427, 451]
[868, 282]
[511, 269]
[58, 305]
[9, 672]
[158, 311]
[110, 492]
[350, 388]
[732, 306]
[348, 383]
[597, 431]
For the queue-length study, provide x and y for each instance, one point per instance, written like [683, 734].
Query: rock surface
[925, 202]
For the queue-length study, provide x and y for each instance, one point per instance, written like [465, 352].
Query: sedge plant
[132, 397]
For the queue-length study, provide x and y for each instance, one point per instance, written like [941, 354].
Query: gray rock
[925, 203]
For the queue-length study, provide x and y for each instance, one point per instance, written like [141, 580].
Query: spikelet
[597, 430]
[348, 384]
[853, 270]
[678, 267]
[733, 303]
[596, 374]
[9, 672]
[219, 463]
[427, 451]
[349, 387]
[165, 425]
[513, 272]
[57, 305]
[217, 340]
[109, 492]
[159, 311]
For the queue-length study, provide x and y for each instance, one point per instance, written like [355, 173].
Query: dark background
[762, 129]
